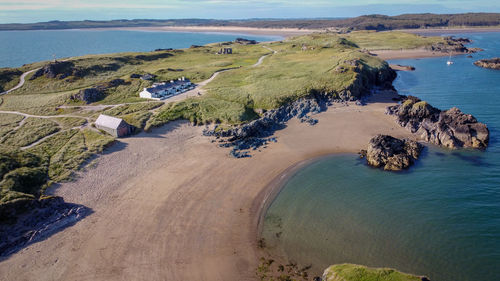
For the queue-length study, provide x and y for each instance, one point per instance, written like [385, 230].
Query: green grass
[31, 131]
[9, 77]
[69, 122]
[234, 96]
[67, 151]
[8, 122]
[352, 272]
[393, 40]
[332, 64]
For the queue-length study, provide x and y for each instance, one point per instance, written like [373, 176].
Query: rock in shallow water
[392, 154]
[489, 63]
[450, 128]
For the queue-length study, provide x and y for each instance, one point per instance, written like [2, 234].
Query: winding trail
[21, 81]
[261, 59]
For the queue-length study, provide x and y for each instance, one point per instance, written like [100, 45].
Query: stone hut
[116, 127]
[225, 51]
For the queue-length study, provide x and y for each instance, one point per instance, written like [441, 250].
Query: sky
[26, 11]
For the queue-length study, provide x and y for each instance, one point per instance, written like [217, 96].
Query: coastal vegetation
[45, 119]
[352, 272]
[394, 40]
[366, 22]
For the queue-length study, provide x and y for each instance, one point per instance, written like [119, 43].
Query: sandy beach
[171, 205]
[283, 32]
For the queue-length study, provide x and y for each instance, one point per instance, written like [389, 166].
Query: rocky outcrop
[399, 67]
[27, 221]
[244, 41]
[493, 63]
[453, 45]
[390, 153]
[450, 128]
[97, 93]
[256, 133]
[89, 95]
[57, 69]
[64, 69]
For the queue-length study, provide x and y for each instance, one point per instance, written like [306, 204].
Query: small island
[493, 63]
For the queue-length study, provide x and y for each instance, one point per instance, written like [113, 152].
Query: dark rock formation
[450, 128]
[493, 63]
[461, 40]
[97, 93]
[392, 154]
[26, 221]
[90, 95]
[59, 69]
[135, 75]
[159, 50]
[148, 76]
[256, 133]
[244, 41]
[399, 67]
[453, 45]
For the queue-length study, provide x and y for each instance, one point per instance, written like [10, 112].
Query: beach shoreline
[172, 205]
[281, 32]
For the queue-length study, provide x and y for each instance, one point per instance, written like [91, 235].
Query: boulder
[493, 63]
[392, 154]
[450, 128]
[90, 95]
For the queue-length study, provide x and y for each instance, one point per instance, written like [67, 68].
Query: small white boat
[449, 62]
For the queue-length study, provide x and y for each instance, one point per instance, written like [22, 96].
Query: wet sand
[171, 205]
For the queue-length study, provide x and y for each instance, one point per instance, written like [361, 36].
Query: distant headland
[366, 22]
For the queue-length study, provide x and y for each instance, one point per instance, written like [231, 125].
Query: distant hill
[368, 22]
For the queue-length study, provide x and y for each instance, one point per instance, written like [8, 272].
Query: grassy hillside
[302, 66]
[394, 40]
[352, 272]
[58, 135]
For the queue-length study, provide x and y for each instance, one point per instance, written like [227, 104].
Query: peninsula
[174, 200]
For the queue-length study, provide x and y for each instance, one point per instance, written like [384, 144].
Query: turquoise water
[441, 218]
[21, 47]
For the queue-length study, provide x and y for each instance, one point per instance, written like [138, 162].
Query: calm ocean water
[440, 219]
[21, 47]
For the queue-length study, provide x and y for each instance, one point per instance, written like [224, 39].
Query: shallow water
[21, 47]
[441, 218]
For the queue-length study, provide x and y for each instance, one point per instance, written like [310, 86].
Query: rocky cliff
[392, 154]
[450, 128]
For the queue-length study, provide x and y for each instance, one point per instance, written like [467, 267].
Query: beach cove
[173, 195]
[439, 219]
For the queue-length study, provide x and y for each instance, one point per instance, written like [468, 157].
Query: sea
[440, 219]
[22, 47]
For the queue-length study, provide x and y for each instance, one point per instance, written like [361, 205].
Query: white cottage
[160, 91]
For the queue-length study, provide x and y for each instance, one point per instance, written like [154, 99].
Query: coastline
[282, 32]
[440, 31]
[199, 206]
[410, 54]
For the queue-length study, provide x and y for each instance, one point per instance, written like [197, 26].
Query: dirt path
[171, 205]
[21, 81]
[261, 59]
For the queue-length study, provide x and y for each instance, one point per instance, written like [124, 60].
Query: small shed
[116, 127]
